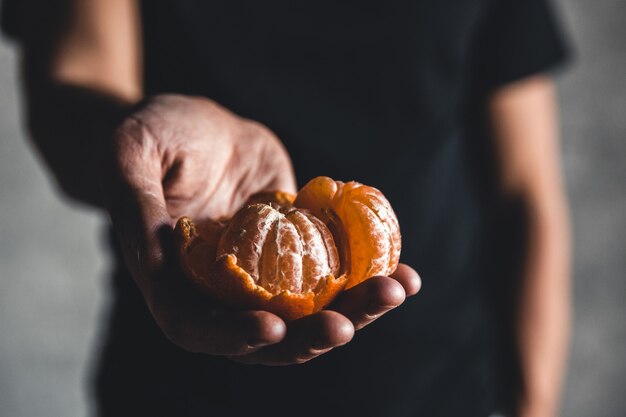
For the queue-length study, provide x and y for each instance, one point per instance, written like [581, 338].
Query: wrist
[537, 406]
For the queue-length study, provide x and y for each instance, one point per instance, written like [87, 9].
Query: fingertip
[408, 278]
[335, 329]
[265, 328]
[387, 292]
[417, 284]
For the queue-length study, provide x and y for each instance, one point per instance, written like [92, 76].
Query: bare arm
[81, 67]
[524, 120]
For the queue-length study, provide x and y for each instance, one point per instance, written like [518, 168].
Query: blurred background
[54, 264]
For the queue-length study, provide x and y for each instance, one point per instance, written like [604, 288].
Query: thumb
[136, 205]
[143, 226]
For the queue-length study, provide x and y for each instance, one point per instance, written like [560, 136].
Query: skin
[525, 125]
[145, 166]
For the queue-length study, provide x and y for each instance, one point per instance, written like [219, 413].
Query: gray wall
[593, 96]
[51, 278]
[53, 266]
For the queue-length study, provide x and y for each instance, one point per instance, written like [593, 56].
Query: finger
[136, 203]
[226, 333]
[369, 300]
[306, 339]
[142, 225]
[198, 324]
[408, 278]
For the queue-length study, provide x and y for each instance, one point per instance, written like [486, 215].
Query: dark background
[54, 264]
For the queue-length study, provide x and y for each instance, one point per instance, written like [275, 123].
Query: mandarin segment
[245, 235]
[319, 253]
[316, 195]
[367, 219]
[281, 259]
[234, 286]
[281, 250]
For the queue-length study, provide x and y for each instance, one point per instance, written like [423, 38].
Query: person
[156, 109]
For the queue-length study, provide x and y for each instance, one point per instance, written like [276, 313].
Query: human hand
[189, 156]
[354, 309]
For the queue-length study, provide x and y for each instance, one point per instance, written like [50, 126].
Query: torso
[369, 91]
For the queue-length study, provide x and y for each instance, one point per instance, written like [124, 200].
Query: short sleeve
[517, 39]
[22, 20]
[11, 18]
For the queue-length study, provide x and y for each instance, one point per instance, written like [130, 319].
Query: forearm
[525, 128]
[70, 126]
[543, 310]
[81, 71]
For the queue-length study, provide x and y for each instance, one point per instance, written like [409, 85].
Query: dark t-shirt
[388, 93]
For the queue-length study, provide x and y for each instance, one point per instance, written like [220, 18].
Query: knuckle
[259, 128]
[259, 134]
[133, 140]
[132, 131]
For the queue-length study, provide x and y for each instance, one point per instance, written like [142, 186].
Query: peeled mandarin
[292, 255]
[282, 250]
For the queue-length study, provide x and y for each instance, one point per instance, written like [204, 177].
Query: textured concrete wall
[53, 267]
[593, 95]
[52, 271]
